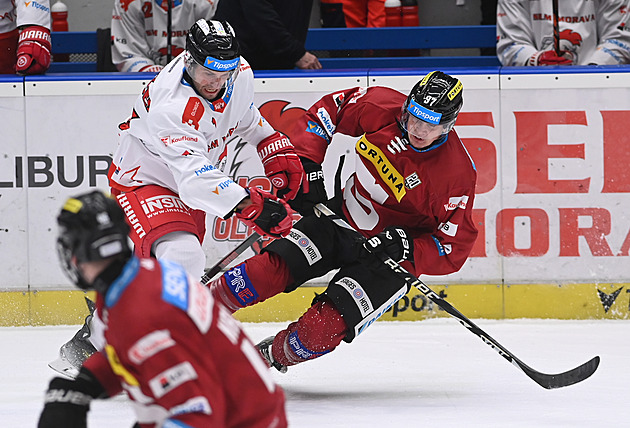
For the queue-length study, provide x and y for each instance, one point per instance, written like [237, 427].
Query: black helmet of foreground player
[213, 46]
[92, 227]
[436, 99]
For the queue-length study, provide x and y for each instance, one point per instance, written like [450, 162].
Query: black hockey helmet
[213, 45]
[436, 99]
[92, 227]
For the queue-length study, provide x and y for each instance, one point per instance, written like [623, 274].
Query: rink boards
[552, 196]
[488, 301]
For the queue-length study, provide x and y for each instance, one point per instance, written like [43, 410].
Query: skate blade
[63, 367]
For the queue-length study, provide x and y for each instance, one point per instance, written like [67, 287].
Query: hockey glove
[33, 51]
[394, 242]
[267, 214]
[550, 58]
[282, 165]
[68, 401]
[312, 191]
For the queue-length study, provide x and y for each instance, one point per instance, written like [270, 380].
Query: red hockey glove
[282, 165]
[267, 214]
[312, 191]
[394, 242]
[33, 52]
[68, 401]
[551, 58]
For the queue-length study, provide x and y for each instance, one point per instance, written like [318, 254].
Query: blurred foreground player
[411, 193]
[180, 356]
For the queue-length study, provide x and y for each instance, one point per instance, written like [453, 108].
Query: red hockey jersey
[429, 192]
[179, 355]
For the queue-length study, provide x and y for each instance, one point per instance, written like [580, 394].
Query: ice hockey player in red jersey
[182, 358]
[411, 192]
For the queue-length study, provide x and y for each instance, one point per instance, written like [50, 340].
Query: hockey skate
[265, 350]
[74, 352]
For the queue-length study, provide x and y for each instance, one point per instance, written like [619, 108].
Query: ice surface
[432, 373]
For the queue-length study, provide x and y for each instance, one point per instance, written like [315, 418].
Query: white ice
[433, 373]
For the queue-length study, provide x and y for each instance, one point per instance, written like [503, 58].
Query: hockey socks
[317, 332]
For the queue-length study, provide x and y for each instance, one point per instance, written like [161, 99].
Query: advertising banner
[550, 150]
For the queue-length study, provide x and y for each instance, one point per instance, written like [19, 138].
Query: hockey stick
[548, 381]
[556, 28]
[229, 258]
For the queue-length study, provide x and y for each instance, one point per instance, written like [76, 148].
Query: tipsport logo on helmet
[423, 113]
[221, 65]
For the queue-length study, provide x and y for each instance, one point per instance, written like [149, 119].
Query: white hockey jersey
[15, 13]
[594, 31]
[177, 139]
[139, 30]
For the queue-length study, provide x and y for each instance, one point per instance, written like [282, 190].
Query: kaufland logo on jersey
[173, 140]
[423, 113]
[456, 202]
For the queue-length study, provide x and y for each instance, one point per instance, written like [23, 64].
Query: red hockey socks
[316, 333]
[253, 281]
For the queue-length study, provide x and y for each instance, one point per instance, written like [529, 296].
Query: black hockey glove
[67, 401]
[394, 242]
[305, 201]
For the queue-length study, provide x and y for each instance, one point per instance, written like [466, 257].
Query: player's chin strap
[548, 381]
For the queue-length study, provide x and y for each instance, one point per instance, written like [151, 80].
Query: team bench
[337, 48]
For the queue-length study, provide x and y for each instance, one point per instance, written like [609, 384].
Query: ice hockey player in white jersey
[167, 171]
[140, 31]
[590, 32]
[24, 36]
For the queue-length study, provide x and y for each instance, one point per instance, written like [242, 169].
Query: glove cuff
[533, 60]
[36, 33]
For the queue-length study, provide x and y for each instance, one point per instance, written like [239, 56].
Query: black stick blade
[560, 380]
